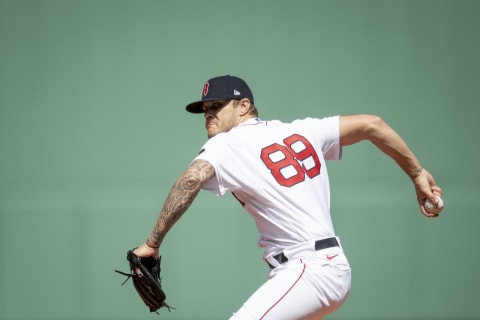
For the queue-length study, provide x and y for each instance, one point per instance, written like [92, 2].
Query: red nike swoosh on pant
[331, 257]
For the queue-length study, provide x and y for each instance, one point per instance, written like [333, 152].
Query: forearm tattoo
[416, 172]
[180, 198]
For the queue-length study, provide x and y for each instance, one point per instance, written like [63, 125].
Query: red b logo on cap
[205, 89]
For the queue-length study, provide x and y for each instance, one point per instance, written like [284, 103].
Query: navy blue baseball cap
[221, 88]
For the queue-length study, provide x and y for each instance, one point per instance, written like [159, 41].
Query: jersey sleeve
[213, 151]
[332, 150]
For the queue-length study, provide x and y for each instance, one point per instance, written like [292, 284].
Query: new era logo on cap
[221, 88]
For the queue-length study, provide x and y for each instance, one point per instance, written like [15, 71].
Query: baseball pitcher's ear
[244, 106]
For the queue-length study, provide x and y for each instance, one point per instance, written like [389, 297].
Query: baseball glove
[145, 274]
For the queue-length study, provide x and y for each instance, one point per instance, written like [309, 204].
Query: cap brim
[195, 107]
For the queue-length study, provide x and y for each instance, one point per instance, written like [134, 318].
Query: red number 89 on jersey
[290, 163]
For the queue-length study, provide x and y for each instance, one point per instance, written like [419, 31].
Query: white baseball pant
[309, 286]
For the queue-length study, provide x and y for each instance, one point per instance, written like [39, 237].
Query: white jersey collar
[251, 121]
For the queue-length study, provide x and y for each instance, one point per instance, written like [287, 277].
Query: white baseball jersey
[277, 172]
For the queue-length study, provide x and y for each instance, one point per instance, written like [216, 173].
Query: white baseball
[432, 207]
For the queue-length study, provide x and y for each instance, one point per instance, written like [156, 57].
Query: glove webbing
[152, 302]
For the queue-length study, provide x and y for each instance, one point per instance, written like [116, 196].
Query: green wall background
[93, 133]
